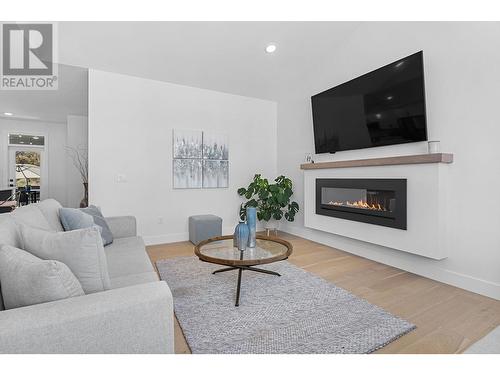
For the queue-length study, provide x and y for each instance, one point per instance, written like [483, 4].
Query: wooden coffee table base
[240, 271]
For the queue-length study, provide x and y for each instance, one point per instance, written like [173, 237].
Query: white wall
[55, 152]
[77, 139]
[462, 72]
[130, 132]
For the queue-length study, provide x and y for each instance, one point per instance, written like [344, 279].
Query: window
[26, 140]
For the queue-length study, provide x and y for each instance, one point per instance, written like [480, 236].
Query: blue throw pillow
[73, 219]
[95, 212]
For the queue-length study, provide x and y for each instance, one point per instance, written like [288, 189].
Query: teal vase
[252, 225]
[241, 234]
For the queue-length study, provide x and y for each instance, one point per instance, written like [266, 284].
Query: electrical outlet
[121, 178]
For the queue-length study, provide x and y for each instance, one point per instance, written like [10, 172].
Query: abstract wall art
[215, 146]
[187, 173]
[188, 144]
[200, 159]
[215, 174]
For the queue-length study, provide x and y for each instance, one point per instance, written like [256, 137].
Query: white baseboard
[165, 238]
[426, 267]
[177, 237]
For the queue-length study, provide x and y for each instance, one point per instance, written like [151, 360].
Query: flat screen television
[380, 108]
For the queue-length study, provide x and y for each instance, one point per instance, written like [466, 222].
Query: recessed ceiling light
[271, 48]
[390, 97]
[378, 115]
[8, 114]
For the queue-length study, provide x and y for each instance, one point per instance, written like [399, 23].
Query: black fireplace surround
[368, 200]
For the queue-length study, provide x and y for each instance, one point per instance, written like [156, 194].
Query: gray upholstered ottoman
[202, 227]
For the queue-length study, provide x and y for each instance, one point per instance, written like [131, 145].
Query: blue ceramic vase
[252, 225]
[241, 235]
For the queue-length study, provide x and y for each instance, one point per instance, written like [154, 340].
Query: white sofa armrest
[135, 319]
[122, 226]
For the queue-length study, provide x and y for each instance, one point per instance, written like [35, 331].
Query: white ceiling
[223, 56]
[70, 98]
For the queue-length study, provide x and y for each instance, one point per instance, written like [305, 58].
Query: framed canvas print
[187, 173]
[215, 146]
[200, 159]
[187, 144]
[223, 181]
[215, 173]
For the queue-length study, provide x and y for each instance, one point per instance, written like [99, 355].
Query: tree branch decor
[80, 160]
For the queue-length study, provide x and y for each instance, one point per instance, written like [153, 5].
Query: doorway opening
[27, 173]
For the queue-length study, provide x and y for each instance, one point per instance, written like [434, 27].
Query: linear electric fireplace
[368, 200]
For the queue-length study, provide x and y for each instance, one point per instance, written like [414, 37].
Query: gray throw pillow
[73, 219]
[95, 212]
[28, 280]
[81, 250]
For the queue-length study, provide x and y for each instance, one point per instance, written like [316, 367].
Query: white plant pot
[272, 224]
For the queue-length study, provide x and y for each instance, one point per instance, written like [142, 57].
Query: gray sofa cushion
[135, 279]
[28, 280]
[32, 216]
[81, 250]
[95, 212]
[127, 256]
[50, 210]
[9, 235]
[128, 263]
[122, 226]
[73, 219]
[9, 232]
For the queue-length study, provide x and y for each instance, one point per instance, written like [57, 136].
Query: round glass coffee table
[220, 250]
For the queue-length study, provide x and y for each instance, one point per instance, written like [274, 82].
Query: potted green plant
[272, 200]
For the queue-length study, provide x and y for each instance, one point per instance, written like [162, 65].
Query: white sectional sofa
[134, 316]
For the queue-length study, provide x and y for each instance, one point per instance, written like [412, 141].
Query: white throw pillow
[27, 280]
[81, 250]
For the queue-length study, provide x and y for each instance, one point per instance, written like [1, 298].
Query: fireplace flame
[359, 204]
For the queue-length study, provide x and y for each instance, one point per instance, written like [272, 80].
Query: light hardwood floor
[448, 319]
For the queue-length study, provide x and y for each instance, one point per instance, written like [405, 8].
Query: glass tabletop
[265, 251]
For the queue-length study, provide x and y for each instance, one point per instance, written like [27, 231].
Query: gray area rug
[295, 313]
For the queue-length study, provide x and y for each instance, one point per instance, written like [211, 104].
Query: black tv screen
[380, 108]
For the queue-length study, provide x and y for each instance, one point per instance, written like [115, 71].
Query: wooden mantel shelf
[393, 160]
